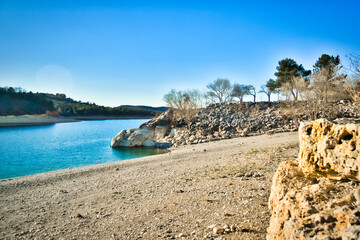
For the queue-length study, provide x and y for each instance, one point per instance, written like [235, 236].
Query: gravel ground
[216, 190]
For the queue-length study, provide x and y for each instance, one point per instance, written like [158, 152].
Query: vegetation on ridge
[328, 82]
[16, 101]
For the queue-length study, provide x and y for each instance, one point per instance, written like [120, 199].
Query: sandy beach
[174, 195]
[29, 120]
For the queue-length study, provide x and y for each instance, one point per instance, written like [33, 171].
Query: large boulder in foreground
[329, 149]
[149, 134]
[317, 196]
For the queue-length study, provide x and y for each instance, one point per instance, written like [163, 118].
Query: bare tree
[270, 87]
[354, 64]
[185, 103]
[327, 83]
[194, 99]
[220, 90]
[294, 88]
[352, 81]
[266, 90]
[239, 91]
[252, 91]
[312, 102]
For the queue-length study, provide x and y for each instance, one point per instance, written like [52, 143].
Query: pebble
[181, 235]
[212, 226]
[218, 230]
[357, 195]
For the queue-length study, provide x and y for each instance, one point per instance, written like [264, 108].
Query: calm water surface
[35, 149]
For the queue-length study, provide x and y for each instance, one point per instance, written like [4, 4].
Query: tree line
[327, 81]
[16, 101]
[74, 108]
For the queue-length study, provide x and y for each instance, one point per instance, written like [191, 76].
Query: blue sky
[134, 52]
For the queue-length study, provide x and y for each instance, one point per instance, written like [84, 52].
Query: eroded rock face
[317, 196]
[149, 134]
[330, 149]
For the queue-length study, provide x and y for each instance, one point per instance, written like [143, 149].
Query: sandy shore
[110, 117]
[173, 195]
[28, 120]
[6, 121]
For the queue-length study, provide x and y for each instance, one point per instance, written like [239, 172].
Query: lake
[36, 149]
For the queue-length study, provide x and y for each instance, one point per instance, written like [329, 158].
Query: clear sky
[133, 52]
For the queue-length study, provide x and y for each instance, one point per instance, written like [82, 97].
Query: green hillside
[16, 101]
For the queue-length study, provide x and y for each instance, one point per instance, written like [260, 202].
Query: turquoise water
[36, 149]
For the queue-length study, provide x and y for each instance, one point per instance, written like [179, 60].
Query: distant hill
[156, 109]
[16, 101]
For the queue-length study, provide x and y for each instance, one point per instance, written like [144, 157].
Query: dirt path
[174, 195]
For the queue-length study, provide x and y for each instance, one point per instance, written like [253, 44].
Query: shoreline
[110, 117]
[180, 193]
[38, 120]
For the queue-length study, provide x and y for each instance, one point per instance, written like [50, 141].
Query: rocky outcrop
[248, 119]
[224, 121]
[329, 149]
[149, 134]
[218, 122]
[317, 196]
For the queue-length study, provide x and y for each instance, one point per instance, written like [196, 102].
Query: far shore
[110, 117]
[33, 120]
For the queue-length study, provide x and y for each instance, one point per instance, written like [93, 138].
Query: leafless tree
[239, 91]
[266, 90]
[294, 88]
[252, 91]
[352, 81]
[327, 83]
[325, 86]
[185, 103]
[354, 64]
[220, 91]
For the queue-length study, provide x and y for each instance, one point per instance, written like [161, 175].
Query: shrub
[184, 103]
